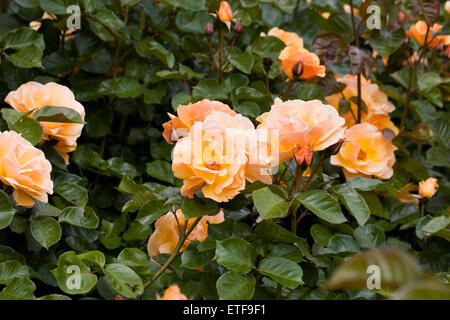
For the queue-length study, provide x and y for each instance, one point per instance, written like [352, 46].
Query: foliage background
[131, 63]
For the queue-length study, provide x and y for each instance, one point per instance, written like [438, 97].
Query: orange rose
[173, 293]
[187, 115]
[225, 14]
[25, 168]
[289, 38]
[377, 103]
[428, 188]
[290, 56]
[215, 157]
[302, 124]
[166, 235]
[33, 95]
[419, 30]
[365, 153]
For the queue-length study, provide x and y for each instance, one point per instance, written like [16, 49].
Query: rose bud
[304, 156]
[297, 69]
[209, 29]
[238, 28]
[267, 63]
[428, 187]
[447, 53]
[225, 14]
[334, 149]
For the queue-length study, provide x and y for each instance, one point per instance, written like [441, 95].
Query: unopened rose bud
[267, 63]
[440, 46]
[225, 14]
[303, 156]
[421, 133]
[334, 149]
[297, 69]
[238, 28]
[209, 29]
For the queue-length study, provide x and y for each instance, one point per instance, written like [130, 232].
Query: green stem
[180, 243]
[313, 173]
[220, 69]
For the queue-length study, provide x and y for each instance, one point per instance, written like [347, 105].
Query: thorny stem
[175, 253]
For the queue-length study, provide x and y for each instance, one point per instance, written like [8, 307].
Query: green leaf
[24, 37]
[148, 47]
[282, 270]
[197, 207]
[236, 254]
[321, 234]
[27, 57]
[267, 47]
[209, 89]
[370, 236]
[19, 289]
[12, 269]
[192, 21]
[46, 230]
[30, 129]
[309, 91]
[57, 114]
[73, 275]
[151, 211]
[354, 202]
[396, 267]
[386, 42]
[235, 286]
[342, 243]
[80, 217]
[94, 257]
[56, 6]
[430, 10]
[161, 170]
[322, 204]
[428, 81]
[193, 5]
[439, 156]
[243, 61]
[132, 257]
[192, 258]
[248, 108]
[72, 192]
[124, 280]
[270, 204]
[270, 230]
[423, 290]
[6, 210]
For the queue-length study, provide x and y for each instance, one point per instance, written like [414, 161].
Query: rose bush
[249, 149]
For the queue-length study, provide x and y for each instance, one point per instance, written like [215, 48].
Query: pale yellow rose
[166, 235]
[25, 168]
[365, 153]
[179, 126]
[377, 103]
[173, 293]
[428, 188]
[215, 157]
[33, 96]
[302, 124]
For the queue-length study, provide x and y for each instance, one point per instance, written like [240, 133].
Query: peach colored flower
[173, 293]
[166, 235]
[225, 14]
[289, 38]
[33, 95]
[302, 124]
[290, 56]
[365, 153]
[419, 30]
[215, 157]
[187, 115]
[447, 6]
[25, 168]
[428, 188]
[377, 103]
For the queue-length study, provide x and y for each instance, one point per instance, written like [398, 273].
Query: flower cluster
[23, 166]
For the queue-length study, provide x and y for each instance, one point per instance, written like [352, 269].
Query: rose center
[362, 155]
[212, 165]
